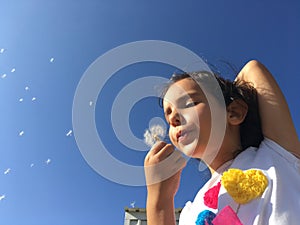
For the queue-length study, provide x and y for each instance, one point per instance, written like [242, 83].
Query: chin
[188, 149]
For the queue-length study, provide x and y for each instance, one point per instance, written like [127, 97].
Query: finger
[157, 147]
[165, 169]
[151, 155]
[165, 152]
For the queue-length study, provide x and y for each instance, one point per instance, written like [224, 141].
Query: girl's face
[187, 112]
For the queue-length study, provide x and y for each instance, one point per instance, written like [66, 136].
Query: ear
[236, 112]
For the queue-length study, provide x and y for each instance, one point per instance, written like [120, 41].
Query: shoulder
[268, 154]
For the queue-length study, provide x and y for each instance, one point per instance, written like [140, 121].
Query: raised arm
[276, 119]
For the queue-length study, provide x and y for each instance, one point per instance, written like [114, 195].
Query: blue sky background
[67, 191]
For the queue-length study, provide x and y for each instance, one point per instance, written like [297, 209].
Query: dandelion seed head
[148, 139]
[158, 130]
[153, 134]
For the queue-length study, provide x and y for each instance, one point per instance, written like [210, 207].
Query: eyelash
[191, 104]
[187, 105]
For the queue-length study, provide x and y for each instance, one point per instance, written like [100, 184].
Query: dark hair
[250, 128]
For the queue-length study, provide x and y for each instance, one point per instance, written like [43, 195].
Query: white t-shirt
[280, 202]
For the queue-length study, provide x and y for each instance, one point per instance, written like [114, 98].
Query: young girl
[256, 168]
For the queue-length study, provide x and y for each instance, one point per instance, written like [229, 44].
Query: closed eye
[191, 104]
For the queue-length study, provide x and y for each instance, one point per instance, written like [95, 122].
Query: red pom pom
[211, 196]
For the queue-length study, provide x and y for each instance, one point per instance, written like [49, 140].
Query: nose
[175, 118]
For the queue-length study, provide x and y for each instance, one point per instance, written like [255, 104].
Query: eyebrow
[189, 95]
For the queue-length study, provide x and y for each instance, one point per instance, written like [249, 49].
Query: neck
[227, 152]
[216, 164]
[213, 167]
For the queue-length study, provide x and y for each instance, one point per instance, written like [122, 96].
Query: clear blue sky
[67, 191]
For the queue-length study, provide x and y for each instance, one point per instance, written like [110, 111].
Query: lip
[181, 135]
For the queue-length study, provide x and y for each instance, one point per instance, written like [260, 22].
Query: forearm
[161, 187]
[160, 212]
[274, 112]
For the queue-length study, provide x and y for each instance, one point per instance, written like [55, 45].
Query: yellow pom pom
[242, 186]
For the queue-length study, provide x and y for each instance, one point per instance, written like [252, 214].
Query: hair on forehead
[207, 81]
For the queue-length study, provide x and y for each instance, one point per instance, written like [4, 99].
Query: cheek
[171, 135]
[205, 124]
[201, 119]
[192, 117]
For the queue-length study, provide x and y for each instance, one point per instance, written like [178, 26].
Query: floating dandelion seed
[2, 197]
[21, 133]
[51, 60]
[154, 134]
[69, 133]
[13, 70]
[90, 103]
[7, 171]
[33, 99]
[132, 204]
[3, 75]
[21, 100]
[2, 50]
[48, 161]
[26, 88]
[31, 165]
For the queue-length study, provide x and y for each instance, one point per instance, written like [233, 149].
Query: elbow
[254, 65]
[254, 71]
